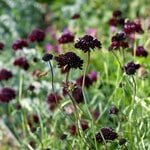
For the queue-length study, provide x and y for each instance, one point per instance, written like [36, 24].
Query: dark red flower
[77, 95]
[119, 37]
[5, 74]
[7, 94]
[75, 16]
[113, 22]
[32, 143]
[132, 27]
[131, 68]
[36, 35]
[84, 125]
[87, 42]
[73, 130]
[19, 44]
[47, 57]
[140, 51]
[35, 118]
[66, 38]
[88, 81]
[1, 46]
[53, 98]
[22, 63]
[117, 13]
[122, 141]
[69, 60]
[108, 135]
[114, 110]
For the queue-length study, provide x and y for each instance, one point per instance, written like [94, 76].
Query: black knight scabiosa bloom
[53, 98]
[69, 60]
[131, 68]
[118, 41]
[88, 81]
[66, 38]
[22, 63]
[47, 57]
[108, 135]
[114, 110]
[87, 42]
[1, 46]
[19, 44]
[122, 141]
[77, 95]
[5, 74]
[132, 27]
[37, 35]
[140, 51]
[7, 94]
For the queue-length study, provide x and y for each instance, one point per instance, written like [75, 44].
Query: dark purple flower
[5, 74]
[119, 37]
[69, 60]
[140, 51]
[19, 44]
[37, 35]
[22, 63]
[63, 136]
[108, 135]
[35, 118]
[93, 76]
[118, 41]
[114, 110]
[113, 22]
[131, 68]
[132, 27]
[84, 125]
[73, 130]
[87, 42]
[75, 16]
[1, 46]
[66, 38]
[31, 88]
[117, 13]
[88, 81]
[32, 143]
[47, 57]
[77, 95]
[7, 94]
[53, 98]
[122, 141]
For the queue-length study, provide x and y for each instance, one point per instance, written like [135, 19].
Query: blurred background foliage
[19, 17]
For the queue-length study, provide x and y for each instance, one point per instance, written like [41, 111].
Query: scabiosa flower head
[1, 46]
[113, 22]
[19, 44]
[35, 118]
[117, 13]
[84, 125]
[22, 63]
[7, 94]
[77, 95]
[93, 76]
[122, 141]
[131, 68]
[66, 38]
[75, 16]
[36, 35]
[118, 41]
[47, 57]
[5, 74]
[53, 98]
[63, 136]
[73, 130]
[114, 110]
[140, 51]
[108, 135]
[87, 42]
[88, 81]
[119, 37]
[31, 87]
[132, 27]
[69, 60]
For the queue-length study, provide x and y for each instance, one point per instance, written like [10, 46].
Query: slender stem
[20, 86]
[123, 57]
[83, 82]
[117, 59]
[52, 76]
[134, 86]
[38, 137]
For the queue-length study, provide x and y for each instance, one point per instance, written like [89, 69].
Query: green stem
[52, 75]
[85, 100]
